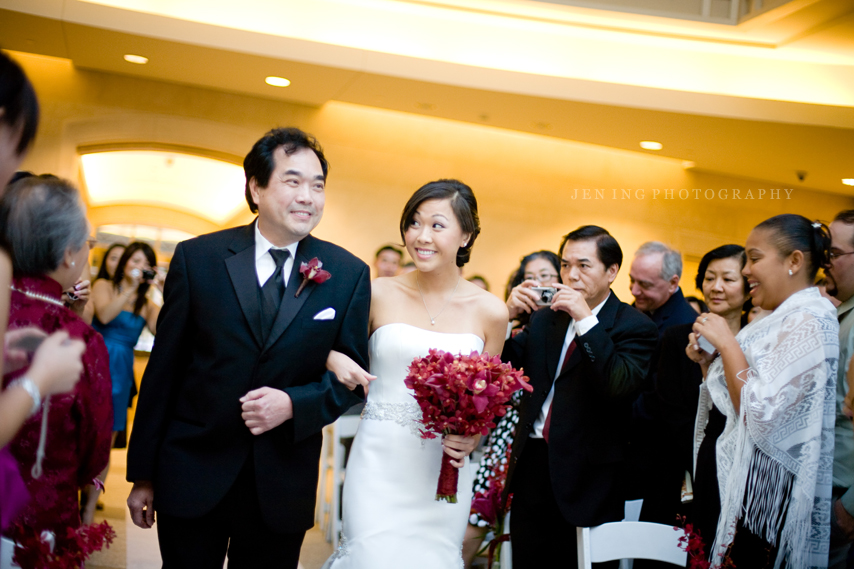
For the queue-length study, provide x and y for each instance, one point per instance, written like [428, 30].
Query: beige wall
[529, 187]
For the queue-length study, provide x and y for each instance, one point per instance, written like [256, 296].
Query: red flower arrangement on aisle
[461, 395]
[70, 550]
[692, 543]
[490, 507]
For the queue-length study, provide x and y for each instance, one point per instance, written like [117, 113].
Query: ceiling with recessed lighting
[763, 98]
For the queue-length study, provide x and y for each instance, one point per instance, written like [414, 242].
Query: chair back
[630, 540]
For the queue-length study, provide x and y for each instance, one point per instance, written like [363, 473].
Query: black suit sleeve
[318, 404]
[166, 367]
[621, 359]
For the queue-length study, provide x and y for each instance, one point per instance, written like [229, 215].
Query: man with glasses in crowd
[840, 284]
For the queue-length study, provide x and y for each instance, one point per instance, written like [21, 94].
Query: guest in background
[678, 384]
[541, 268]
[775, 382]
[840, 283]
[387, 261]
[46, 262]
[698, 305]
[407, 268]
[654, 275]
[753, 313]
[56, 364]
[122, 310]
[480, 281]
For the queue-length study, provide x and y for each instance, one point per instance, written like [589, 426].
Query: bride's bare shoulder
[386, 287]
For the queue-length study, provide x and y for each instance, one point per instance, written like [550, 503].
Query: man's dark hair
[260, 163]
[722, 252]
[18, 101]
[846, 217]
[391, 248]
[463, 203]
[607, 248]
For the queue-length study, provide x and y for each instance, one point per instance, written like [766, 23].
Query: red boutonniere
[312, 271]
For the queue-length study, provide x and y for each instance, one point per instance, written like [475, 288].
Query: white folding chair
[629, 540]
[345, 426]
[631, 513]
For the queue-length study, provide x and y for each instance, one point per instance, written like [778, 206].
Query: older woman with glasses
[541, 268]
[65, 444]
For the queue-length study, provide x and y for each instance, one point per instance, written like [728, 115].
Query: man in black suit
[654, 274]
[227, 434]
[586, 355]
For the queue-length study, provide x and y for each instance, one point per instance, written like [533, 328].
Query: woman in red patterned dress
[79, 423]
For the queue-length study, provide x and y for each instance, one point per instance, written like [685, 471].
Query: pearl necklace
[38, 296]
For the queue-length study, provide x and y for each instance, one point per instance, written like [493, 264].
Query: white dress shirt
[575, 329]
[265, 266]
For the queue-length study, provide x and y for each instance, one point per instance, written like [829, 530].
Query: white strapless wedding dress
[390, 516]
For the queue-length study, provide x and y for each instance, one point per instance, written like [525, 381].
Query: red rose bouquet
[460, 395]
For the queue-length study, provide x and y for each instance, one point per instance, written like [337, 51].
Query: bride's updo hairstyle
[463, 203]
[791, 232]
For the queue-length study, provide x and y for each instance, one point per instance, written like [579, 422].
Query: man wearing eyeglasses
[840, 283]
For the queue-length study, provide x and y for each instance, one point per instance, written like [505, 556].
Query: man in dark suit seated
[586, 355]
[227, 435]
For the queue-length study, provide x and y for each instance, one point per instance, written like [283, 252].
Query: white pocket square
[325, 314]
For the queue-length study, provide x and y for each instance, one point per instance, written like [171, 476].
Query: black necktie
[273, 290]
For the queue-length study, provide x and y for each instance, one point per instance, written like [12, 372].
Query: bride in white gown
[390, 516]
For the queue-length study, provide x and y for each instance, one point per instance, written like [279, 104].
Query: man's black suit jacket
[592, 404]
[189, 438]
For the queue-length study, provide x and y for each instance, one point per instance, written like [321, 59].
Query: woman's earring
[790, 272]
[72, 263]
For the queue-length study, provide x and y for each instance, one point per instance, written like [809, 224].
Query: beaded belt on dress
[404, 414]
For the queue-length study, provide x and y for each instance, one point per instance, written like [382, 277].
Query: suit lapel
[606, 318]
[244, 278]
[554, 341]
[290, 305]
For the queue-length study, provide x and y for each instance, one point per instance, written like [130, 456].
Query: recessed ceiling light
[138, 59]
[848, 181]
[651, 145]
[277, 81]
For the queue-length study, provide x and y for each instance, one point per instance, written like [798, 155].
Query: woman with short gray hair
[43, 222]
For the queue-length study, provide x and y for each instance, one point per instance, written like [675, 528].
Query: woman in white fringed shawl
[775, 382]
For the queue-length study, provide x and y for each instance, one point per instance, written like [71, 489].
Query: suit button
[545, 392]
[530, 425]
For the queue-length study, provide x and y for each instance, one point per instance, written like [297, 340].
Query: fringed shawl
[775, 457]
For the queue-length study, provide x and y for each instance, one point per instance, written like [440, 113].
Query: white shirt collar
[262, 245]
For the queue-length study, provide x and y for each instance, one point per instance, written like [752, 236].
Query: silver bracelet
[30, 387]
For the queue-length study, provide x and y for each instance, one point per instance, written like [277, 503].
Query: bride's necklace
[433, 318]
[38, 296]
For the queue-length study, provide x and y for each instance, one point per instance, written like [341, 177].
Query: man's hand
[141, 504]
[572, 302]
[266, 408]
[522, 299]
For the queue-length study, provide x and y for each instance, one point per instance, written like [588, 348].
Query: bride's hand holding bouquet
[460, 397]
